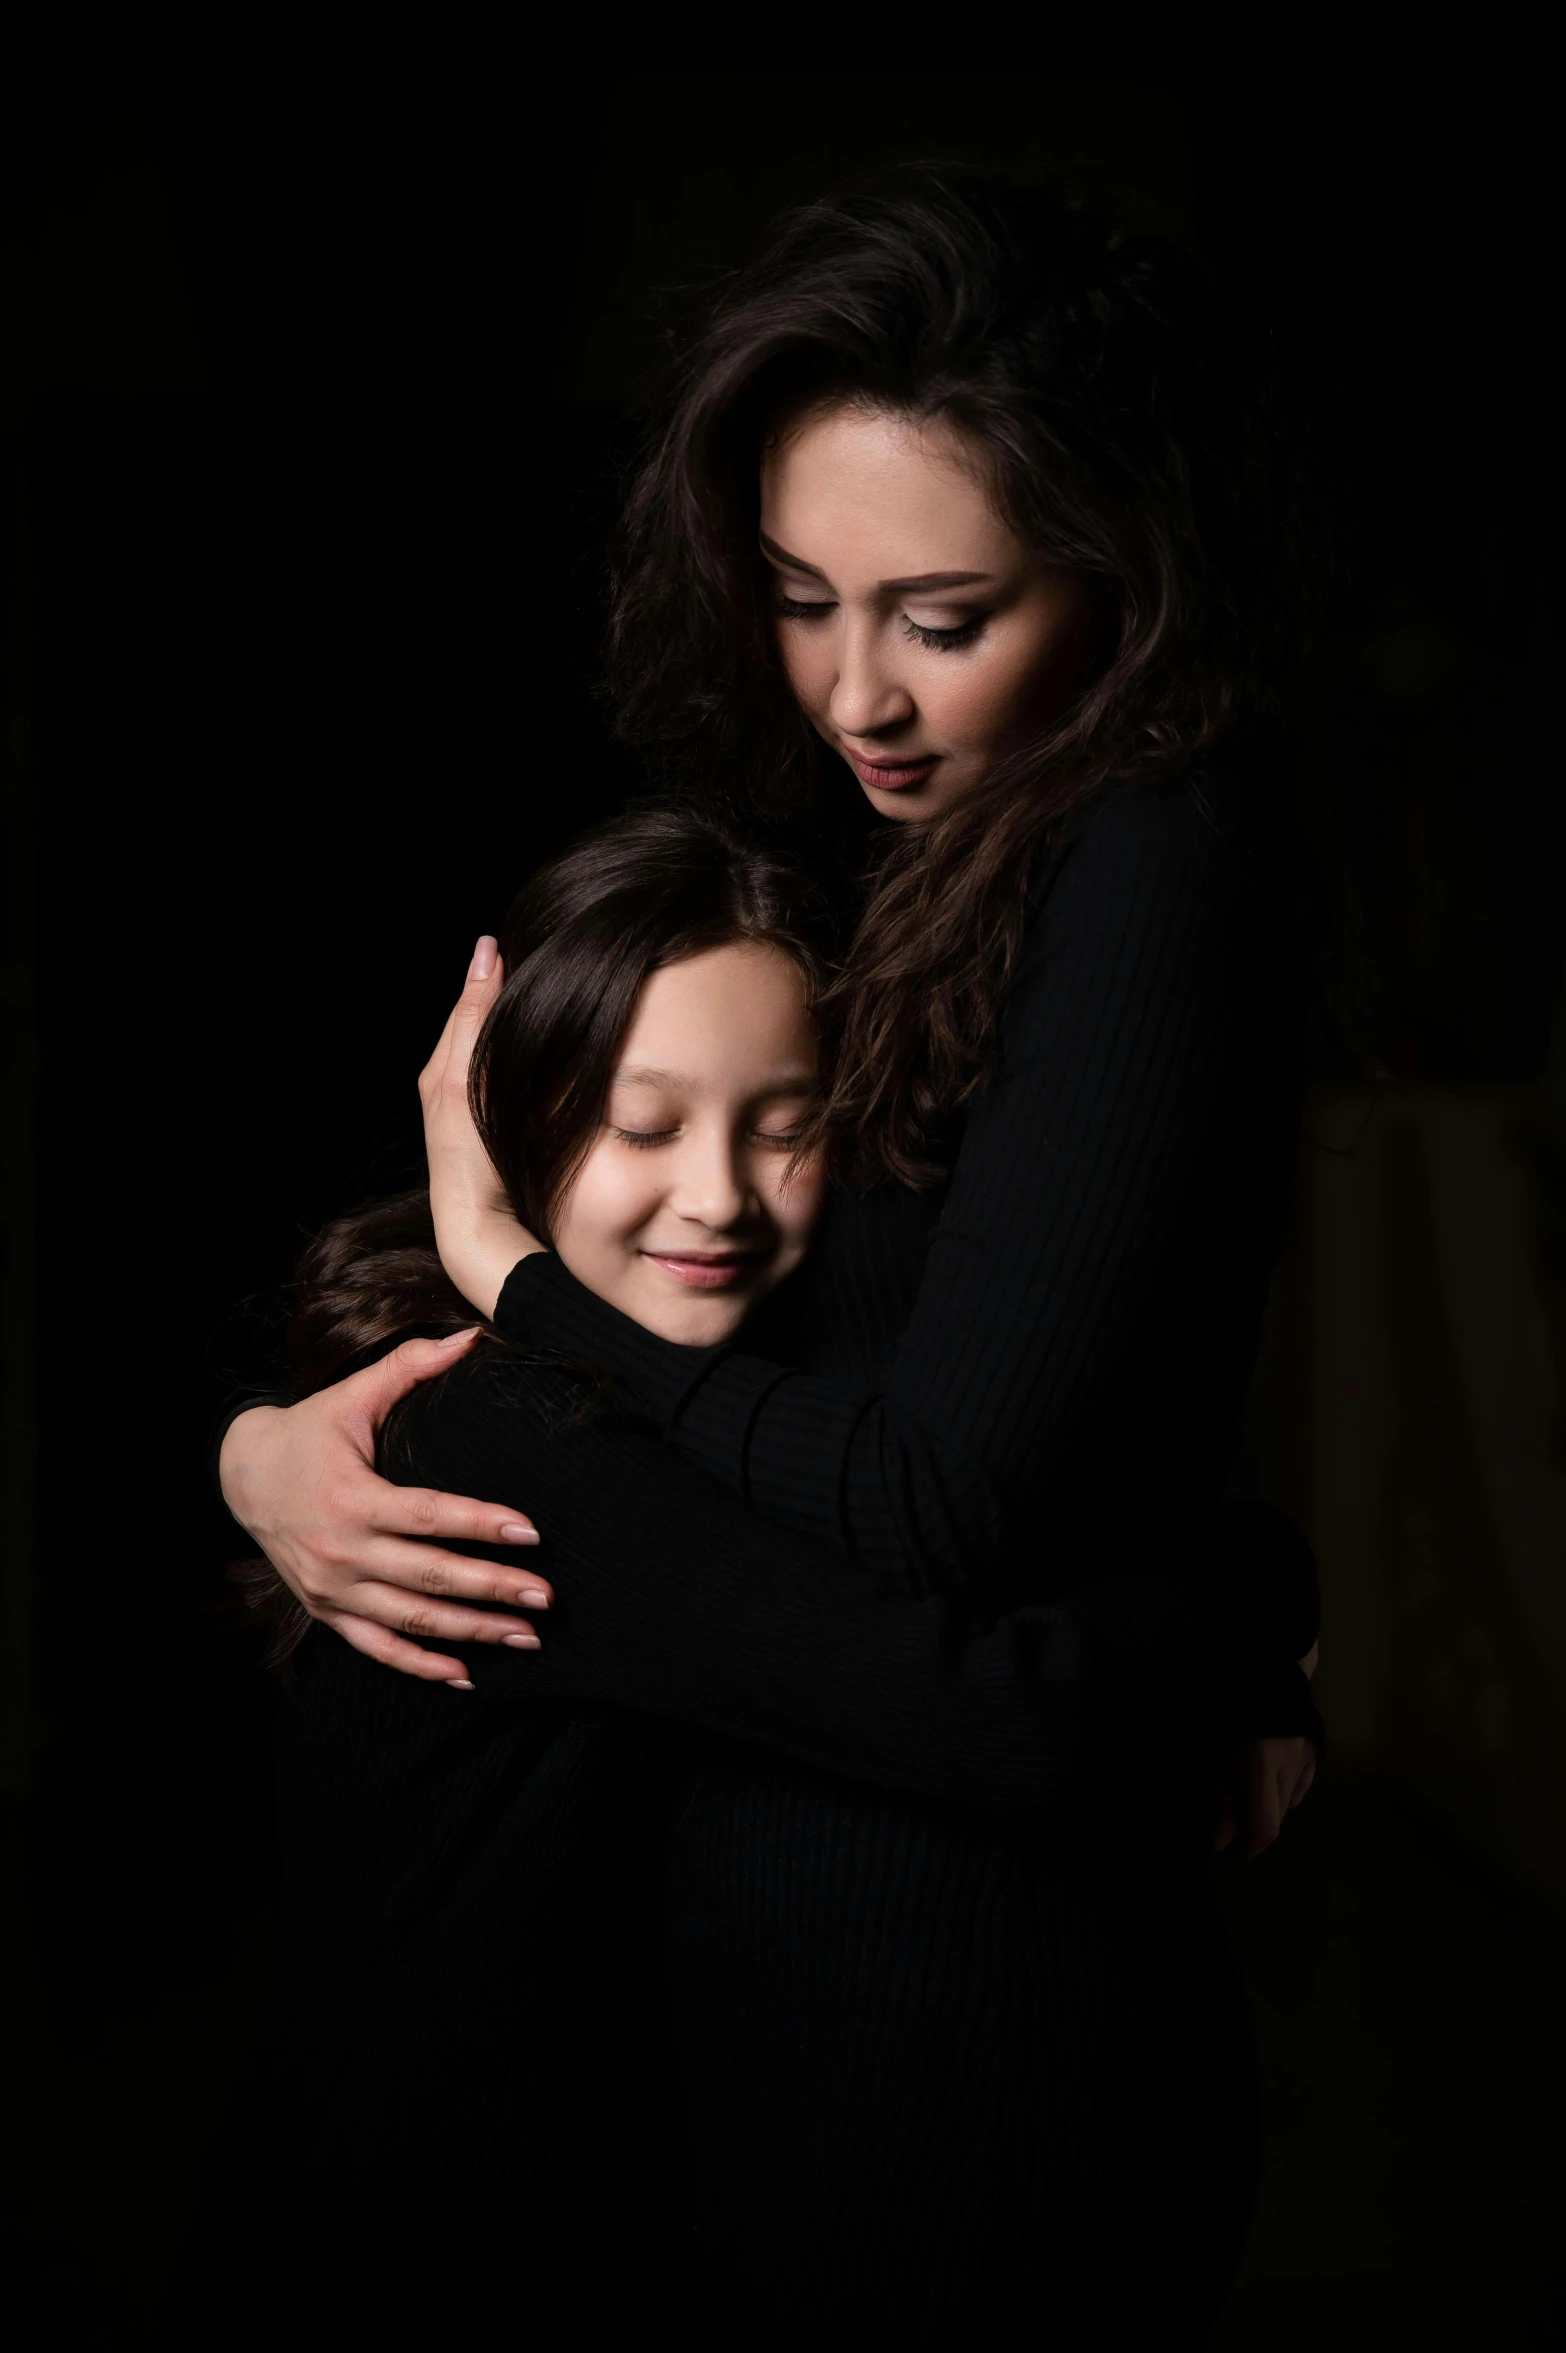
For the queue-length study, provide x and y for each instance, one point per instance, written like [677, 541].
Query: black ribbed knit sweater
[1077, 1316]
[959, 2056]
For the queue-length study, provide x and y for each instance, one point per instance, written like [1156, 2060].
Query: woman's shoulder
[1225, 821]
[1211, 843]
[1170, 878]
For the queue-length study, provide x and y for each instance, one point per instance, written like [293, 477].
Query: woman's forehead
[869, 488]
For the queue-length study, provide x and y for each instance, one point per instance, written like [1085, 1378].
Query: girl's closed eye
[784, 1139]
[799, 608]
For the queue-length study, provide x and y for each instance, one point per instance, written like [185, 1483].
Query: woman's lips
[704, 1273]
[890, 776]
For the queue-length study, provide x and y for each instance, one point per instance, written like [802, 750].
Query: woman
[953, 498]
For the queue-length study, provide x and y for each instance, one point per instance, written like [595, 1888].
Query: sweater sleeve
[708, 1617]
[1148, 1002]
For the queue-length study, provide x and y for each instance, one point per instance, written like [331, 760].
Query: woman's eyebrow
[940, 580]
[918, 581]
[780, 555]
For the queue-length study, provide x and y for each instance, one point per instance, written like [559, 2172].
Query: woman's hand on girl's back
[1267, 1778]
[301, 1479]
[476, 1230]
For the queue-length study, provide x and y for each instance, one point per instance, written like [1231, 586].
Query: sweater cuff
[542, 1305]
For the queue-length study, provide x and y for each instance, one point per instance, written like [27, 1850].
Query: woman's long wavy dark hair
[1117, 412]
[646, 889]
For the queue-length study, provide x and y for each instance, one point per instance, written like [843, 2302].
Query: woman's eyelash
[940, 641]
[944, 641]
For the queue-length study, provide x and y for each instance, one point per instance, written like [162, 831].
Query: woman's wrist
[482, 1252]
[242, 1455]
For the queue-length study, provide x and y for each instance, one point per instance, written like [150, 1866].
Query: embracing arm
[357, 1553]
[708, 1617]
[1145, 1061]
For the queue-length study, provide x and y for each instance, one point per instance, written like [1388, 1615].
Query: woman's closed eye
[944, 641]
[941, 641]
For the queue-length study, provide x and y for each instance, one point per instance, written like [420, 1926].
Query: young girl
[955, 496]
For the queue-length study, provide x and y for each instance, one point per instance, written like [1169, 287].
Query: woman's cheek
[809, 668]
[975, 706]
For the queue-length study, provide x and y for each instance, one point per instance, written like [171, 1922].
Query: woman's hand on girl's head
[476, 1231]
[301, 1480]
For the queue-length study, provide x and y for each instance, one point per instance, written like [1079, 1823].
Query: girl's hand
[301, 1479]
[476, 1230]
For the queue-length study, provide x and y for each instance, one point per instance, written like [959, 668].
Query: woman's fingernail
[483, 963]
[515, 1533]
[534, 1598]
[454, 1685]
[518, 1642]
[451, 1339]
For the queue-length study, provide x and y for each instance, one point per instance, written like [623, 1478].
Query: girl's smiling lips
[706, 1270]
[890, 775]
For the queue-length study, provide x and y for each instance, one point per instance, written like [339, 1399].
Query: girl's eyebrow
[789, 1082]
[918, 581]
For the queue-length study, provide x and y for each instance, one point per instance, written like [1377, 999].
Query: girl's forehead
[732, 1015]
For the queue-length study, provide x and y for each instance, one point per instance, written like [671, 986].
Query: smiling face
[685, 1213]
[924, 640]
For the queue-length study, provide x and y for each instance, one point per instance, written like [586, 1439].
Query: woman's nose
[868, 698]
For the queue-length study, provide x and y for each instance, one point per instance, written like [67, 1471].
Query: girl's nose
[868, 697]
[710, 1186]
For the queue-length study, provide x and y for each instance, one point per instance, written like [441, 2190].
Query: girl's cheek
[610, 1201]
[798, 1208]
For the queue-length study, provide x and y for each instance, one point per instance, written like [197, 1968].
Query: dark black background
[316, 401]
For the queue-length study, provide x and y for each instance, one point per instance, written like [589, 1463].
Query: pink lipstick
[890, 776]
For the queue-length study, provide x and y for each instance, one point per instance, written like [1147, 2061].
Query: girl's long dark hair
[648, 888]
[1119, 420]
